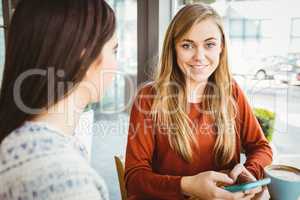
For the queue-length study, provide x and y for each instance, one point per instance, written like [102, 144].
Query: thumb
[236, 171]
[221, 177]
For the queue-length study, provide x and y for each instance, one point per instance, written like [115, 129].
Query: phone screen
[248, 186]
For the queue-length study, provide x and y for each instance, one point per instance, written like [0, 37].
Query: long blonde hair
[169, 108]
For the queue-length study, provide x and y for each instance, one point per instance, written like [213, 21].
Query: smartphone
[248, 186]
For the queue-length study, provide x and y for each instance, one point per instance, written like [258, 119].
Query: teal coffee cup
[285, 182]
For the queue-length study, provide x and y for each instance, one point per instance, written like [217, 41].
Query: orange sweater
[153, 170]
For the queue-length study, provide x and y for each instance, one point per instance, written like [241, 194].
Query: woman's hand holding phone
[205, 186]
[241, 175]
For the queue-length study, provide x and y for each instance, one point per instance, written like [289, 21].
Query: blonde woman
[188, 127]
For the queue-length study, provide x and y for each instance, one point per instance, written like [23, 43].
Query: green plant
[266, 119]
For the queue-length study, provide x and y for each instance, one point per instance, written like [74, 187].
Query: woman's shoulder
[145, 95]
[237, 92]
[241, 99]
[47, 165]
[31, 140]
[147, 88]
[39, 142]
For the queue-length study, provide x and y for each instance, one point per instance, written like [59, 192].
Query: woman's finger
[223, 194]
[245, 176]
[221, 177]
[236, 171]
[248, 197]
[263, 195]
[248, 174]
[254, 191]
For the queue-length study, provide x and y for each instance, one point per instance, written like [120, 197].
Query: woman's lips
[198, 66]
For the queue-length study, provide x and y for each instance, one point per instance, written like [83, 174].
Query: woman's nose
[199, 54]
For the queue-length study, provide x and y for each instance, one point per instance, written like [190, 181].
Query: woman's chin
[198, 79]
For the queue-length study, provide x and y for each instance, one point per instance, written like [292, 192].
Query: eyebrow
[211, 38]
[191, 41]
[116, 46]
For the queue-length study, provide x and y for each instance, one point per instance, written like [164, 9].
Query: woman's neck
[195, 91]
[65, 114]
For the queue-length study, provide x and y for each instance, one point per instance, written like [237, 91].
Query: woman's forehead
[202, 31]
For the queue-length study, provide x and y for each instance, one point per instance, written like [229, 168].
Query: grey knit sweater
[37, 162]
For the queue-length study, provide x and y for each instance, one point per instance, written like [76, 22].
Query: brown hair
[65, 35]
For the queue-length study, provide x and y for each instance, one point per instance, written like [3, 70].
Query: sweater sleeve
[257, 149]
[140, 179]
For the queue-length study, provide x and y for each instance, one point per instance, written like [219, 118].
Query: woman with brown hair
[56, 54]
[187, 128]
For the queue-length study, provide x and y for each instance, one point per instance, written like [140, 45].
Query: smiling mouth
[198, 66]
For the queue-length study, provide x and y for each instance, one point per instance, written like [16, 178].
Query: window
[242, 28]
[252, 28]
[266, 28]
[236, 28]
[295, 34]
[2, 43]
[195, 1]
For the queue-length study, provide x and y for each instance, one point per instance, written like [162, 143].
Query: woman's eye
[210, 45]
[187, 46]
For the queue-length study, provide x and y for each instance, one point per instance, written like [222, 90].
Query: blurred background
[264, 51]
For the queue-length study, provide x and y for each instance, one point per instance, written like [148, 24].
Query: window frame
[244, 36]
[7, 11]
[292, 35]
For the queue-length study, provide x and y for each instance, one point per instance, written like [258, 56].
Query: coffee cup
[285, 182]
